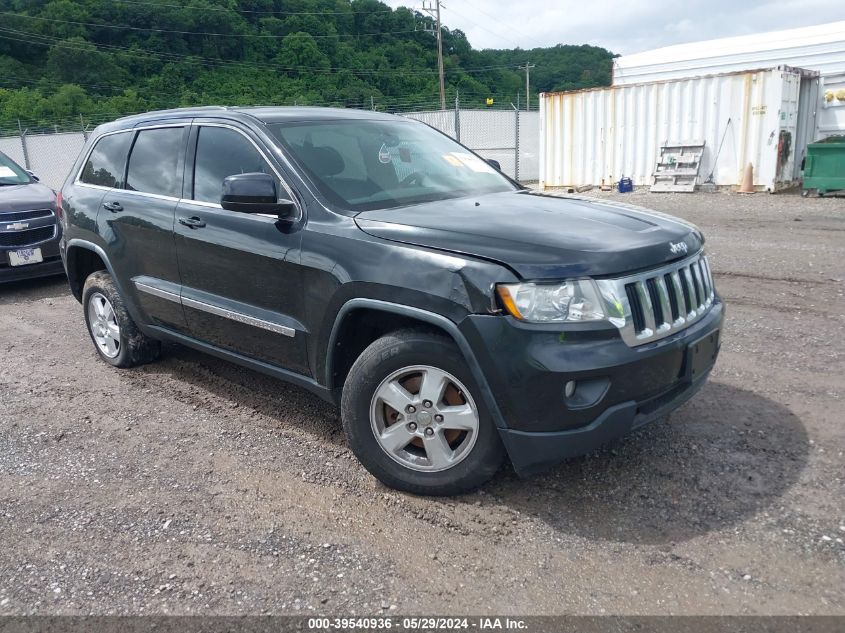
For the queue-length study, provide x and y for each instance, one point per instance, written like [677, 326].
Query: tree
[299, 56]
[68, 57]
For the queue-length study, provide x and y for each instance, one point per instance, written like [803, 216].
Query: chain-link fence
[509, 136]
[49, 156]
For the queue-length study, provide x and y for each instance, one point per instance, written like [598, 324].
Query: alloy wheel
[103, 323]
[424, 418]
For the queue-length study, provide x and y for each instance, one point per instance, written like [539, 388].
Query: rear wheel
[116, 337]
[414, 417]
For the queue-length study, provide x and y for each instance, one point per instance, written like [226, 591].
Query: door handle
[193, 222]
[114, 207]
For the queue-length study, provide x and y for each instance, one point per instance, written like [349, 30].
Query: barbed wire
[87, 121]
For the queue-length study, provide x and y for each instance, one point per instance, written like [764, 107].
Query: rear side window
[104, 166]
[222, 152]
[154, 160]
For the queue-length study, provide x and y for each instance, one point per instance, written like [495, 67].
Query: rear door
[240, 272]
[103, 170]
[137, 222]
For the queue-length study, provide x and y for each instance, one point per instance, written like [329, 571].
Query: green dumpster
[824, 167]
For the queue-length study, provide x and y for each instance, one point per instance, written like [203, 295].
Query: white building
[820, 48]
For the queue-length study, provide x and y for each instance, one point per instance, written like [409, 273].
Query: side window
[154, 160]
[222, 152]
[105, 164]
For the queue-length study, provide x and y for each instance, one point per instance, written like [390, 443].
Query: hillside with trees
[60, 59]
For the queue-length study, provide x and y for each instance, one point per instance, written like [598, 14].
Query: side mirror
[494, 163]
[255, 193]
[33, 176]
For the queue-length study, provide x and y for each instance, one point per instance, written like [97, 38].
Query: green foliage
[60, 59]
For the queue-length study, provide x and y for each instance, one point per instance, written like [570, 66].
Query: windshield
[362, 165]
[11, 173]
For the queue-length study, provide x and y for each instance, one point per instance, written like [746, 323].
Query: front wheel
[414, 417]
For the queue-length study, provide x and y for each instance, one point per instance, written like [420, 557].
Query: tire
[426, 465]
[125, 347]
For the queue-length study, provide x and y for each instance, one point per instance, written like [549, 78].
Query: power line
[509, 26]
[202, 33]
[483, 28]
[28, 37]
[252, 11]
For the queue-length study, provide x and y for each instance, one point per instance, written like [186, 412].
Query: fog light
[587, 392]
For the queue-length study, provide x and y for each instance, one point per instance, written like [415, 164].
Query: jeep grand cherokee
[456, 318]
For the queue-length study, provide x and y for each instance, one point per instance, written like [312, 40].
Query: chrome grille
[27, 237]
[14, 216]
[654, 304]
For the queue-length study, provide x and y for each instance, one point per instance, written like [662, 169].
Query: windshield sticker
[6, 172]
[405, 154]
[384, 154]
[452, 160]
[474, 163]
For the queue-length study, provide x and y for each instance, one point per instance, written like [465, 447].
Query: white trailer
[762, 117]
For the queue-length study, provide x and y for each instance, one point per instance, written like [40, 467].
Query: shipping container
[762, 117]
[831, 116]
[820, 48]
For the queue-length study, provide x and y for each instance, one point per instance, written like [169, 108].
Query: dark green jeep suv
[456, 318]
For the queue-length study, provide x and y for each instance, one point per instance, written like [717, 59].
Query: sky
[623, 26]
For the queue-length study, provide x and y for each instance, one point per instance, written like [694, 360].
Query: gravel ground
[195, 486]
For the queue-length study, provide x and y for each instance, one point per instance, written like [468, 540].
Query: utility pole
[527, 68]
[433, 9]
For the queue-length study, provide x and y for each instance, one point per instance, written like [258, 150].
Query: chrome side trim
[238, 316]
[158, 292]
[147, 194]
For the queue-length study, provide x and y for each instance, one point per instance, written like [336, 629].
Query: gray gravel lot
[195, 486]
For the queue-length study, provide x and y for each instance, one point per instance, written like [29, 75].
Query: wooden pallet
[678, 166]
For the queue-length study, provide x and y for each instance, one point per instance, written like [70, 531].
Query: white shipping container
[764, 117]
[831, 116]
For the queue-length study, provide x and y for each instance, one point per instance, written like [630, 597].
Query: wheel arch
[338, 362]
[83, 258]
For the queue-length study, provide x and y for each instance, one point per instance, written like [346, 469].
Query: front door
[240, 273]
[136, 219]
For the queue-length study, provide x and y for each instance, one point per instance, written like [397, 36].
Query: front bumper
[52, 264]
[619, 388]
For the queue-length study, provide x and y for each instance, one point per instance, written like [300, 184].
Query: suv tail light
[59, 212]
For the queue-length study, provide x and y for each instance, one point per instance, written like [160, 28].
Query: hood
[26, 197]
[540, 236]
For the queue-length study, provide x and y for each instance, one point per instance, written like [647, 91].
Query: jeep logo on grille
[677, 247]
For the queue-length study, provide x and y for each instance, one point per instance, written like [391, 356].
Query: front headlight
[574, 300]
